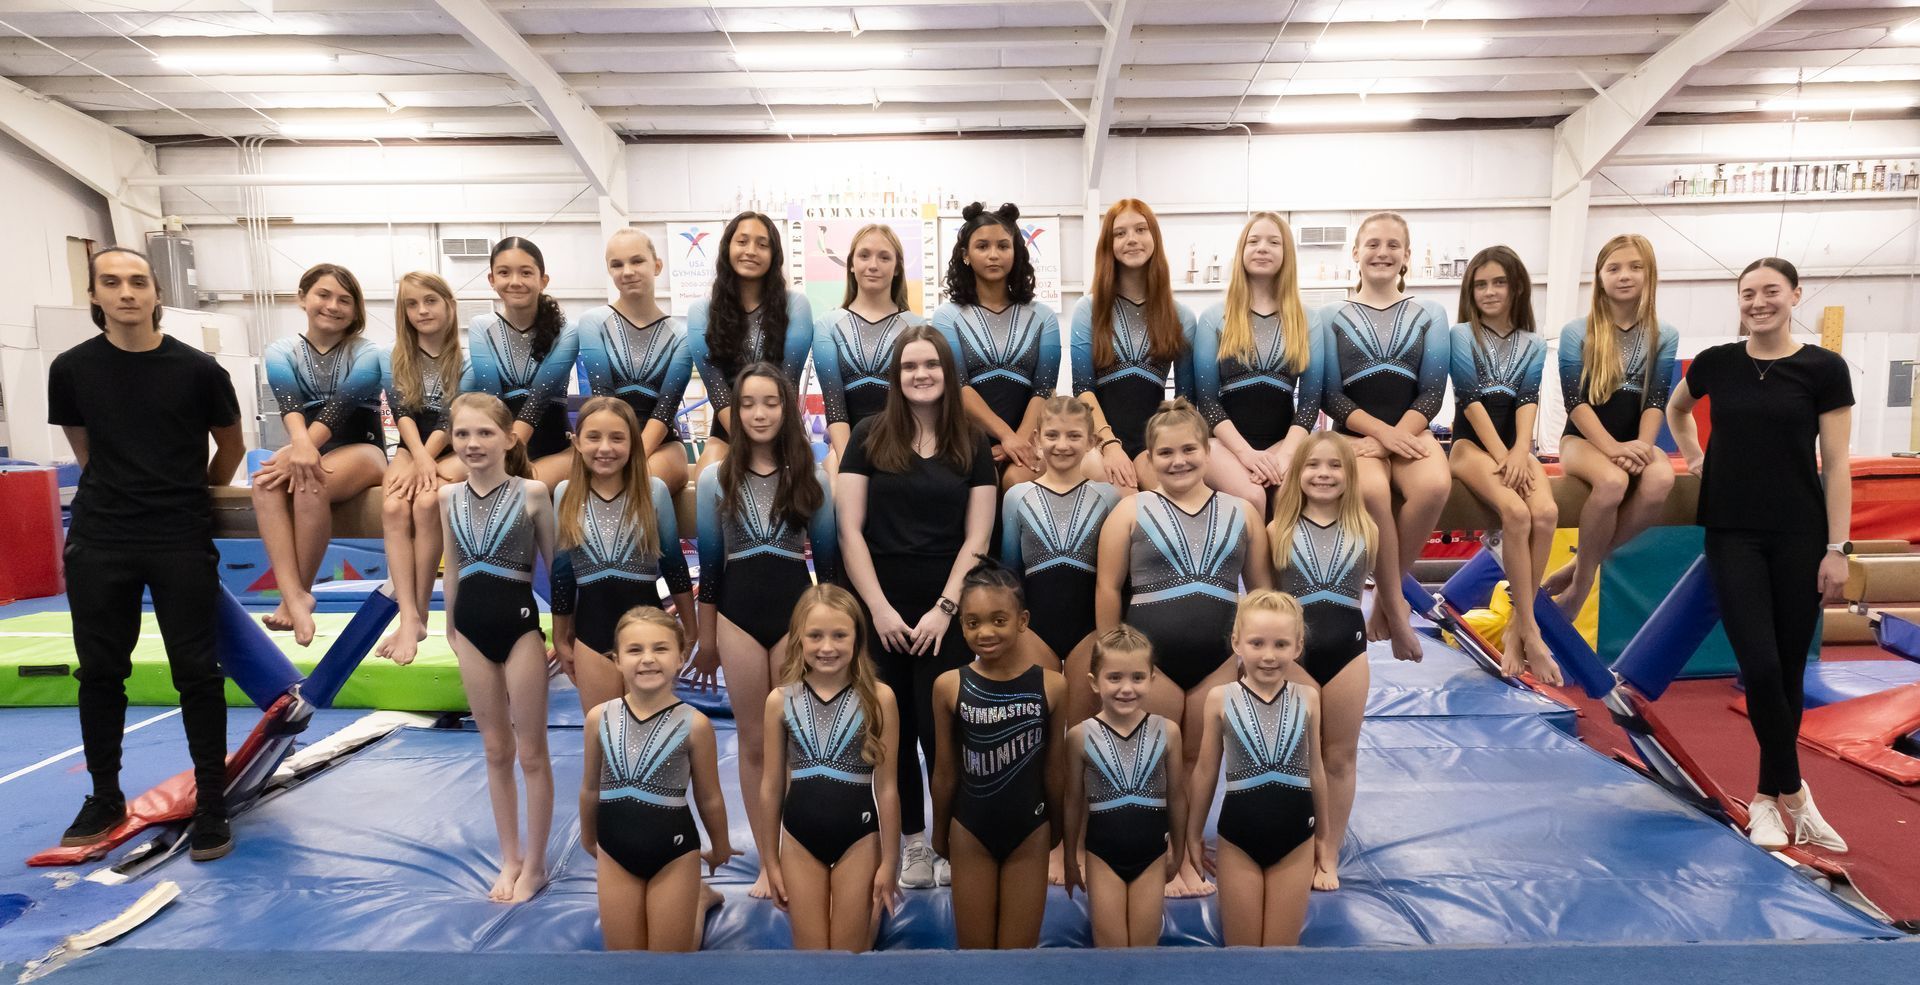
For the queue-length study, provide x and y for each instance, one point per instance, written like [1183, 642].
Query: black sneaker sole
[78, 841]
[209, 854]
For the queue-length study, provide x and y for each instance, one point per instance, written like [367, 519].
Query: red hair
[1164, 341]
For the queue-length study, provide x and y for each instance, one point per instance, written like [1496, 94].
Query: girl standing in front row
[492, 538]
[1129, 336]
[618, 538]
[1006, 343]
[996, 783]
[1252, 367]
[633, 350]
[646, 750]
[749, 317]
[1126, 797]
[1616, 370]
[828, 826]
[1497, 362]
[419, 376]
[524, 354]
[1384, 378]
[853, 344]
[759, 511]
[1264, 730]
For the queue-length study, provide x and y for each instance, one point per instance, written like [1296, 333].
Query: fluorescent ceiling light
[1911, 32]
[357, 131]
[1405, 46]
[840, 56]
[1839, 104]
[214, 62]
[851, 123]
[1322, 114]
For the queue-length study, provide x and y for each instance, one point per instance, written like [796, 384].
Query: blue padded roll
[1897, 636]
[247, 655]
[1577, 659]
[1662, 647]
[1417, 596]
[1472, 586]
[349, 648]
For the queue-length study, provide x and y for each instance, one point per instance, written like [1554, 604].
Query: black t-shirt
[147, 416]
[921, 512]
[1761, 473]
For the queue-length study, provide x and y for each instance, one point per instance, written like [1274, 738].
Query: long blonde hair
[1601, 364]
[899, 288]
[794, 668]
[406, 342]
[1292, 502]
[496, 411]
[1164, 340]
[640, 517]
[1406, 234]
[1236, 334]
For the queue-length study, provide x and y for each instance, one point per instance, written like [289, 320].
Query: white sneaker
[1764, 826]
[1810, 828]
[916, 865]
[942, 872]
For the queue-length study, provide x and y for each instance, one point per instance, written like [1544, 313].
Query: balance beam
[1465, 511]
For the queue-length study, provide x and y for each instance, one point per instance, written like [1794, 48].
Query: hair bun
[973, 211]
[1177, 403]
[1009, 212]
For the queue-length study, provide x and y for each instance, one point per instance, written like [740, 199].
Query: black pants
[1767, 584]
[912, 587]
[103, 590]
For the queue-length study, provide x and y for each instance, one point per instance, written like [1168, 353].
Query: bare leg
[550, 469]
[674, 911]
[1023, 892]
[1143, 472]
[1243, 894]
[1645, 505]
[668, 463]
[486, 687]
[1227, 475]
[623, 906]
[976, 891]
[1599, 518]
[426, 554]
[596, 677]
[526, 674]
[1014, 474]
[1037, 652]
[273, 512]
[1376, 491]
[1543, 520]
[1286, 897]
[354, 469]
[1476, 470]
[748, 667]
[1147, 905]
[809, 896]
[714, 450]
[1424, 484]
[396, 526]
[1189, 882]
[1107, 907]
[854, 920]
[1082, 703]
[1343, 706]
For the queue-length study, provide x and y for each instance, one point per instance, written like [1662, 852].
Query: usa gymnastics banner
[692, 248]
[1042, 235]
[827, 241]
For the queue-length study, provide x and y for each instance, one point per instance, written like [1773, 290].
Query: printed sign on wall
[827, 236]
[1042, 236]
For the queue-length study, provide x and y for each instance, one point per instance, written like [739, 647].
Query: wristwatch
[1844, 547]
[947, 606]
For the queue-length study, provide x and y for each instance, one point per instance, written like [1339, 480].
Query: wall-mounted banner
[692, 249]
[1042, 235]
[827, 239]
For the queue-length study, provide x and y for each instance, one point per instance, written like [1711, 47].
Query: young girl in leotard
[419, 376]
[853, 344]
[492, 537]
[1384, 374]
[645, 753]
[1324, 546]
[1616, 370]
[1007, 344]
[1253, 366]
[327, 385]
[1182, 553]
[617, 539]
[632, 349]
[525, 354]
[749, 317]
[1264, 731]
[1128, 337]
[997, 773]
[1050, 533]
[828, 827]
[1126, 797]
[760, 510]
[1497, 360]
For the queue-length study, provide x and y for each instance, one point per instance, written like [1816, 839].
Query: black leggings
[913, 586]
[1767, 584]
[103, 592]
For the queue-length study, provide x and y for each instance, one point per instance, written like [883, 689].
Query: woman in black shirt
[915, 499]
[1776, 522]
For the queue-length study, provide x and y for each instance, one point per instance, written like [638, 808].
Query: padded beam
[233, 517]
[1577, 660]
[350, 647]
[247, 656]
[1841, 625]
[1898, 635]
[1883, 578]
[1464, 511]
[1472, 586]
[1683, 620]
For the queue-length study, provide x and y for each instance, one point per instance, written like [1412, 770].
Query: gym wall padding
[1638, 577]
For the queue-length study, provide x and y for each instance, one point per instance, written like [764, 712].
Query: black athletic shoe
[98, 816]
[212, 836]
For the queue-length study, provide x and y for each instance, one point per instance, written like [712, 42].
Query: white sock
[917, 838]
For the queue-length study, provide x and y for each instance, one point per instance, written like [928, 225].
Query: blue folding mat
[1479, 820]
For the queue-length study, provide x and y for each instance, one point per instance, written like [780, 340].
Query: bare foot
[278, 619]
[1406, 643]
[300, 612]
[1558, 581]
[533, 878]
[709, 898]
[1574, 598]
[1056, 867]
[502, 891]
[1188, 883]
[1540, 660]
[760, 889]
[1377, 622]
[1513, 656]
[1325, 880]
[402, 644]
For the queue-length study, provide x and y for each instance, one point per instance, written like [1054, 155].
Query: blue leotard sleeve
[1080, 346]
[549, 385]
[673, 388]
[946, 321]
[282, 379]
[1573, 346]
[719, 388]
[1531, 374]
[482, 374]
[595, 360]
[799, 338]
[1326, 366]
[1460, 357]
[387, 389]
[1433, 362]
[673, 560]
[1010, 528]
[1183, 363]
[711, 537]
[1661, 385]
[1046, 375]
[1308, 386]
[562, 590]
[823, 533]
[1206, 363]
[826, 366]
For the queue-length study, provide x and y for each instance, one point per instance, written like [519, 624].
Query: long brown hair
[1165, 342]
[898, 291]
[347, 280]
[1601, 364]
[726, 318]
[496, 411]
[1519, 289]
[406, 342]
[1292, 502]
[797, 497]
[793, 669]
[1236, 333]
[640, 519]
[890, 444]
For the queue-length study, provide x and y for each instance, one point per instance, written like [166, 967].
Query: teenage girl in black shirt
[1776, 521]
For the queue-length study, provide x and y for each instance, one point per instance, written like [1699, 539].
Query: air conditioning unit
[1321, 297]
[465, 249]
[1323, 235]
[469, 310]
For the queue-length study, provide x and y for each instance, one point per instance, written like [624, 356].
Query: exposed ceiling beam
[97, 155]
[600, 152]
[405, 6]
[1113, 56]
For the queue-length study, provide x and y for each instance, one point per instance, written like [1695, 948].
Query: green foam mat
[37, 665]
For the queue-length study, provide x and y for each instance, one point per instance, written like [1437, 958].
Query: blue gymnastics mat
[1487, 830]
